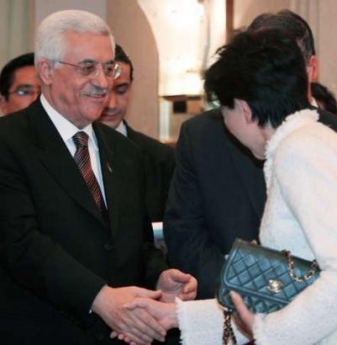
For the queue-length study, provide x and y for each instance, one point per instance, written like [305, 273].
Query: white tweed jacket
[301, 216]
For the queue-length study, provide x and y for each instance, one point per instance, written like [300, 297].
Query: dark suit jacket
[217, 194]
[159, 165]
[56, 251]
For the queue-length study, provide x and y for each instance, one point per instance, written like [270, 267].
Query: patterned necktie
[82, 159]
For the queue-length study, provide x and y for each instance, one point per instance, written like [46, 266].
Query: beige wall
[132, 31]
[327, 42]
[246, 10]
[46, 7]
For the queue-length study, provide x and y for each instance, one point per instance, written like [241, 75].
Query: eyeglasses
[90, 68]
[23, 91]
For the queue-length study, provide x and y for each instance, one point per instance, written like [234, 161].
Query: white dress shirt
[67, 130]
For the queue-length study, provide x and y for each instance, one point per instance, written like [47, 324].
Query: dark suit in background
[56, 250]
[217, 194]
[159, 164]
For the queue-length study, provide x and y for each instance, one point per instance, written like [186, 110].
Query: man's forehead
[21, 74]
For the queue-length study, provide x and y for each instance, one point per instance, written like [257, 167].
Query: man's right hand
[165, 313]
[137, 325]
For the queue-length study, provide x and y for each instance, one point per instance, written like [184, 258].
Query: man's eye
[22, 92]
[109, 69]
[87, 69]
[121, 89]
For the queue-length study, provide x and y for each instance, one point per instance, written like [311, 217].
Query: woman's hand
[244, 318]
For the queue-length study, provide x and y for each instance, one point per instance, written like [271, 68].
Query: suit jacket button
[108, 246]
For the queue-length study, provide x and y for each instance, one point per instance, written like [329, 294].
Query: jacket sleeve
[305, 177]
[201, 322]
[190, 247]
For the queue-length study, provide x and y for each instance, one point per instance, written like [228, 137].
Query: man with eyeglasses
[19, 85]
[75, 241]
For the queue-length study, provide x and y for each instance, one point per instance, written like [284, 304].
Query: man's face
[115, 108]
[24, 90]
[80, 99]
[240, 123]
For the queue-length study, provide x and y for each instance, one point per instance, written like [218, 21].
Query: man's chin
[109, 121]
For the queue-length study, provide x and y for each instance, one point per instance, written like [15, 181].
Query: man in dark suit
[217, 191]
[159, 158]
[75, 240]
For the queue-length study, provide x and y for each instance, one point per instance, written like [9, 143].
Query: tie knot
[80, 139]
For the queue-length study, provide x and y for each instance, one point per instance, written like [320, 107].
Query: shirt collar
[121, 128]
[64, 126]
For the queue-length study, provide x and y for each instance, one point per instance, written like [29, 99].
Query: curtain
[15, 28]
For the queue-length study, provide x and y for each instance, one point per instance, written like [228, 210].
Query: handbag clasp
[275, 286]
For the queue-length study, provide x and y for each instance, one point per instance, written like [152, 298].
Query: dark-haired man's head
[19, 85]
[297, 28]
[118, 100]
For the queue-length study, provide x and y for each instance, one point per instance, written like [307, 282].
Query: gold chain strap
[228, 333]
[311, 272]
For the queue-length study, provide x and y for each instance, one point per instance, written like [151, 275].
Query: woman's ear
[243, 106]
[45, 71]
[312, 69]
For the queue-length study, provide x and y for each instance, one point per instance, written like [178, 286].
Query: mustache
[97, 91]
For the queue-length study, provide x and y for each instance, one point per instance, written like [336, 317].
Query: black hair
[264, 68]
[290, 22]
[121, 56]
[324, 97]
[8, 71]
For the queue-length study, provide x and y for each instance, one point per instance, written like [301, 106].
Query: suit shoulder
[208, 119]
[114, 139]
[13, 123]
[147, 143]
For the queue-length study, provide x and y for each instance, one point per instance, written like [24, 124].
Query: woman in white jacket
[261, 83]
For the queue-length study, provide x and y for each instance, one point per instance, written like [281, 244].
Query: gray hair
[50, 41]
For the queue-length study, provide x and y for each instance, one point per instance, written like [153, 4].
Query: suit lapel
[108, 167]
[55, 156]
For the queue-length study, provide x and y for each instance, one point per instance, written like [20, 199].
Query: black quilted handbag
[266, 279]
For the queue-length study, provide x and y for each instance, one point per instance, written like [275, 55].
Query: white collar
[292, 122]
[121, 128]
[64, 126]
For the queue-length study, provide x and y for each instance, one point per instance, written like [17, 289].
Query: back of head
[121, 56]
[8, 71]
[50, 41]
[291, 23]
[266, 69]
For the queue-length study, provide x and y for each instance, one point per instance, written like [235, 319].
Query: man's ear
[45, 71]
[3, 105]
[243, 106]
[313, 69]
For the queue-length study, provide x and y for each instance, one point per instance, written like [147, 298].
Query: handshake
[138, 316]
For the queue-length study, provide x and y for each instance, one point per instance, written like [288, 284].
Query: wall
[16, 19]
[132, 31]
[46, 7]
[246, 10]
[326, 42]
